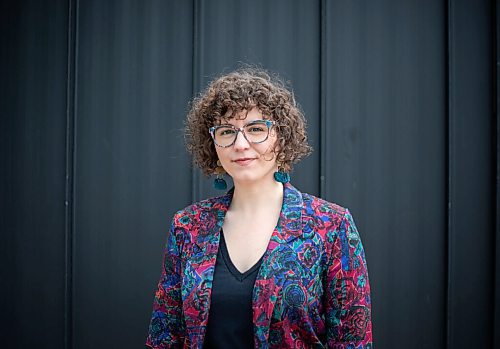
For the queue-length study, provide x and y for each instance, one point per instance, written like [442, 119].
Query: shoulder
[318, 207]
[199, 216]
[328, 219]
[199, 210]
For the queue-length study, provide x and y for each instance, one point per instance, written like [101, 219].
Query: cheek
[272, 144]
[221, 154]
[217, 151]
[268, 154]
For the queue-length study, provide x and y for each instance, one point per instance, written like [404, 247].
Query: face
[248, 162]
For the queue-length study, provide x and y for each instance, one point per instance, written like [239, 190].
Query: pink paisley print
[312, 289]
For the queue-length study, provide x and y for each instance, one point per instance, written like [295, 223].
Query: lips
[244, 161]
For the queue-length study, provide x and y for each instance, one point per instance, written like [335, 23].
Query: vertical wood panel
[134, 83]
[32, 136]
[266, 33]
[496, 64]
[471, 198]
[72, 42]
[385, 155]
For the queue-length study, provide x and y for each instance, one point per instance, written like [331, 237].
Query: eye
[225, 131]
[256, 127]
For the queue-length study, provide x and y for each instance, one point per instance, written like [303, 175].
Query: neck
[257, 196]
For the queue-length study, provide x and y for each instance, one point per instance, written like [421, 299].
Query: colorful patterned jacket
[311, 291]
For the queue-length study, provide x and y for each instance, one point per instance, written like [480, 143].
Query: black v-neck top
[230, 320]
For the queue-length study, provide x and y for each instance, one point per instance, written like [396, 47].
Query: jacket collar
[290, 221]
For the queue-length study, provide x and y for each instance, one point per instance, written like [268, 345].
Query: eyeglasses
[256, 131]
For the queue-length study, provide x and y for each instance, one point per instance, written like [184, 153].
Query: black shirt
[230, 321]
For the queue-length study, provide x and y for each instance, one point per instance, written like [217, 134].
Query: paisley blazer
[311, 291]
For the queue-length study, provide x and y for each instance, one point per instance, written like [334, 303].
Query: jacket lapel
[200, 266]
[273, 270]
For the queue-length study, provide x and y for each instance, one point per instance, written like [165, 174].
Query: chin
[245, 179]
[251, 178]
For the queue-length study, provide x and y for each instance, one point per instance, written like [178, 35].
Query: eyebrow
[247, 123]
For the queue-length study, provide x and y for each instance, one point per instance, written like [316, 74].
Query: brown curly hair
[244, 89]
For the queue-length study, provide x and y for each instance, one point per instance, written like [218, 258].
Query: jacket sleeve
[166, 329]
[348, 302]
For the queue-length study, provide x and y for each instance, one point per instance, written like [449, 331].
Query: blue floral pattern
[312, 289]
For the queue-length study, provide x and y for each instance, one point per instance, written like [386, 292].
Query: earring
[219, 182]
[281, 176]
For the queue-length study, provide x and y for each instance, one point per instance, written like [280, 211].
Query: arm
[348, 302]
[166, 329]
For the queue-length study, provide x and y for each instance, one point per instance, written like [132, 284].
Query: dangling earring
[281, 176]
[219, 182]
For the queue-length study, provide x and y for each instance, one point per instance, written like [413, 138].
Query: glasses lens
[224, 135]
[257, 131]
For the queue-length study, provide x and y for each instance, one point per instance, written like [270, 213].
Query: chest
[287, 290]
[247, 240]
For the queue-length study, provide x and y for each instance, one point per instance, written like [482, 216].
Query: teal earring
[281, 176]
[219, 182]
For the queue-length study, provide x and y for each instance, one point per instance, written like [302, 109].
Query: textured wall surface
[401, 100]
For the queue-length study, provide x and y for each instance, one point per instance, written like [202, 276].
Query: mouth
[244, 161]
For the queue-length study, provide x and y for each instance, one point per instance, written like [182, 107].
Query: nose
[241, 142]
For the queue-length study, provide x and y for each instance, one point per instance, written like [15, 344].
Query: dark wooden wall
[401, 99]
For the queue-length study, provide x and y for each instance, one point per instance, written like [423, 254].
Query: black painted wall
[33, 84]
[401, 99]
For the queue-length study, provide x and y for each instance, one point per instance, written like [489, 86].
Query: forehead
[242, 116]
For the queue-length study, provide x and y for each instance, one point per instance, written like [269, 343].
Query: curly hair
[244, 89]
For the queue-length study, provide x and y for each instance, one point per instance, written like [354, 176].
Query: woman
[264, 266]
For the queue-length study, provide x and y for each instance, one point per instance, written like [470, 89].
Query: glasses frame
[269, 124]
